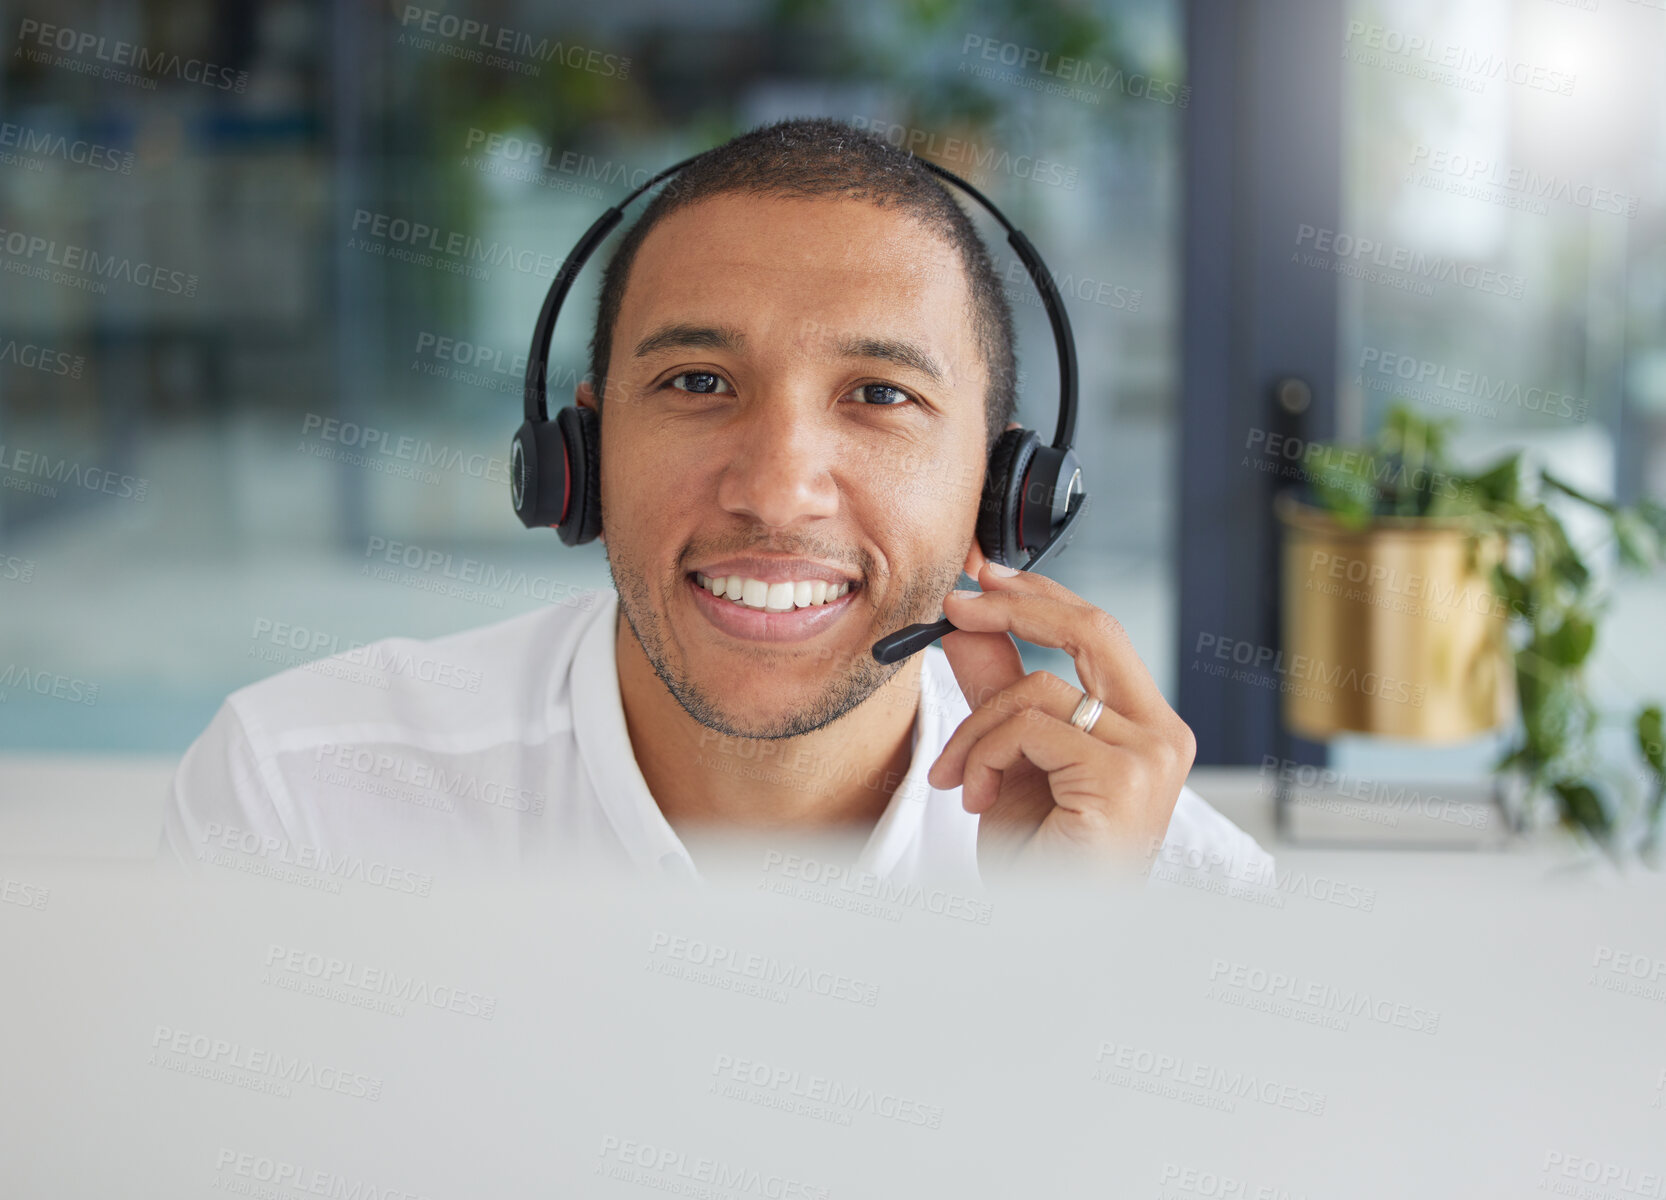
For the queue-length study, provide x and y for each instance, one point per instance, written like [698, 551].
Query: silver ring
[1087, 713]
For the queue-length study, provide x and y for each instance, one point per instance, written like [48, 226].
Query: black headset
[1032, 493]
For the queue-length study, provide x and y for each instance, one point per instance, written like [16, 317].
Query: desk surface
[84, 806]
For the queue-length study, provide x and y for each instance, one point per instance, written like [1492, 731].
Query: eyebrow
[718, 337]
[904, 354]
[702, 337]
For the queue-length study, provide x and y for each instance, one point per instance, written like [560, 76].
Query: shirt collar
[604, 746]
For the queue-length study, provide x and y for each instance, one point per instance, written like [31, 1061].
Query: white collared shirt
[504, 749]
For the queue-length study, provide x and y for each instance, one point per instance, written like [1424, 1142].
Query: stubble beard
[845, 689]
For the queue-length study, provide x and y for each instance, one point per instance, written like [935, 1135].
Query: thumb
[983, 663]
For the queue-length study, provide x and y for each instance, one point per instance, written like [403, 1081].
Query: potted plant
[1385, 546]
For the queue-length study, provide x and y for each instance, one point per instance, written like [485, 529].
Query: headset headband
[537, 363]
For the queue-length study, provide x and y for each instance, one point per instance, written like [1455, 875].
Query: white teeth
[779, 597]
[772, 597]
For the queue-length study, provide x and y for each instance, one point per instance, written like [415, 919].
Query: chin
[760, 712]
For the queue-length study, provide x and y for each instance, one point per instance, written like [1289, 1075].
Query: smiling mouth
[761, 596]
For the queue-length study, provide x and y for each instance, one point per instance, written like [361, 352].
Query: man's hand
[1046, 790]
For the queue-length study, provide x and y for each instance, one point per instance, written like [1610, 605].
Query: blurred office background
[204, 301]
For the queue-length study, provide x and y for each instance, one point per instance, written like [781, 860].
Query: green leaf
[1582, 806]
[1551, 481]
[1571, 641]
[1501, 483]
[1651, 739]
[1653, 515]
[1345, 487]
[1408, 434]
[1515, 592]
[1639, 543]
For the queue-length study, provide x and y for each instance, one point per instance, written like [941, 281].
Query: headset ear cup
[582, 433]
[1002, 489]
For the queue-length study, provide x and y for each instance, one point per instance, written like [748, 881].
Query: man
[806, 359]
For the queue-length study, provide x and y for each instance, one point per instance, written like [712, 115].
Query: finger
[1075, 763]
[1044, 612]
[984, 664]
[1040, 692]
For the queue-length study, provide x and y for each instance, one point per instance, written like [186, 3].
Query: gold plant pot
[1393, 630]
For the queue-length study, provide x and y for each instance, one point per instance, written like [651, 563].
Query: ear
[584, 395]
[975, 557]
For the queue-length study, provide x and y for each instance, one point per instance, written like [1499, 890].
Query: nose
[780, 472]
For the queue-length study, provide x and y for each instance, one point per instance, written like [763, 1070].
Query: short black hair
[818, 157]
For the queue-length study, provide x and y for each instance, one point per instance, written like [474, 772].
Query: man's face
[771, 413]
